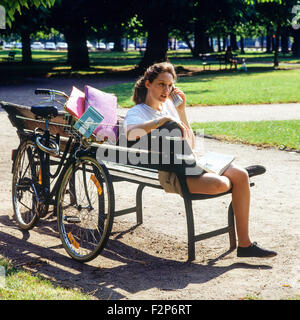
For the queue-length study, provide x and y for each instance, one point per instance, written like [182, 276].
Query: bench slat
[134, 175]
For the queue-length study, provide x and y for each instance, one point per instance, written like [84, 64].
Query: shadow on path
[131, 270]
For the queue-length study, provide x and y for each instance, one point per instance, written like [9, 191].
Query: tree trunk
[219, 44]
[157, 46]
[78, 55]
[276, 47]
[296, 43]
[224, 43]
[201, 39]
[118, 47]
[26, 50]
[284, 41]
[262, 38]
[233, 42]
[242, 45]
[268, 43]
[188, 42]
[211, 44]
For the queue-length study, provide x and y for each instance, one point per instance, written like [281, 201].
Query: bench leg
[232, 237]
[190, 229]
[139, 204]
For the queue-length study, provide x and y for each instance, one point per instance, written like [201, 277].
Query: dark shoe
[255, 251]
[255, 170]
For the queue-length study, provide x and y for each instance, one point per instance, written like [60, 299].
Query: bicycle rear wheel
[25, 179]
[85, 207]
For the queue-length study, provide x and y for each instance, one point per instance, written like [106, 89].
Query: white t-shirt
[142, 113]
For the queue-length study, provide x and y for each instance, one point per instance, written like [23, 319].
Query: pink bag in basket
[106, 104]
[75, 103]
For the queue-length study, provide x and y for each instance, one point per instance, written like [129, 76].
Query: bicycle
[82, 195]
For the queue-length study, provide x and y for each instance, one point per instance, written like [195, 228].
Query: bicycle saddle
[44, 111]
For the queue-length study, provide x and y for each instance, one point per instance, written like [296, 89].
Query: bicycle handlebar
[49, 92]
[42, 91]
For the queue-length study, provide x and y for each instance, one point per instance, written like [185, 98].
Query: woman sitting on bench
[152, 110]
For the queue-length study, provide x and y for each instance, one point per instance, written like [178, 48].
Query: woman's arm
[135, 131]
[182, 115]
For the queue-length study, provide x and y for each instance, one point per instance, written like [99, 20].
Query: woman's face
[160, 88]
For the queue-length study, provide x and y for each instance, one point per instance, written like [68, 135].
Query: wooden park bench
[213, 59]
[141, 175]
[11, 56]
[208, 59]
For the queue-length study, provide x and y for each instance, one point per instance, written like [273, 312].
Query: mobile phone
[175, 98]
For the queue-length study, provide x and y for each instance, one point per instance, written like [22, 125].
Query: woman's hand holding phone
[177, 97]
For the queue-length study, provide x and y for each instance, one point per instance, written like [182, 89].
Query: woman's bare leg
[237, 179]
[240, 202]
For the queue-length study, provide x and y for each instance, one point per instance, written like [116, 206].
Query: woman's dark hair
[140, 90]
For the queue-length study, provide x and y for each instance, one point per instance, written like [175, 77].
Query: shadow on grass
[16, 72]
[194, 75]
[46, 65]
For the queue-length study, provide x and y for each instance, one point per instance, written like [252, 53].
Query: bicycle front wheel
[85, 206]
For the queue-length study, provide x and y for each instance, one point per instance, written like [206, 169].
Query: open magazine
[213, 162]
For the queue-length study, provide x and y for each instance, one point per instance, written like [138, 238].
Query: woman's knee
[237, 174]
[223, 184]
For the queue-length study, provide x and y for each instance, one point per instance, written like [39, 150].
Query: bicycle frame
[68, 157]
[46, 175]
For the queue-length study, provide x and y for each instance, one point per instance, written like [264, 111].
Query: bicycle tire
[85, 208]
[25, 177]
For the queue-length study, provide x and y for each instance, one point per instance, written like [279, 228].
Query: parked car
[110, 45]
[50, 46]
[90, 46]
[61, 46]
[182, 45]
[37, 46]
[7, 45]
[101, 46]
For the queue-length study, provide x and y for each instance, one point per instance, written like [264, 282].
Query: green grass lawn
[227, 88]
[283, 134]
[242, 88]
[22, 285]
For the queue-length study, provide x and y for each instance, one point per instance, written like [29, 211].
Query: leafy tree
[277, 15]
[105, 17]
[205, 19]
[12, 6]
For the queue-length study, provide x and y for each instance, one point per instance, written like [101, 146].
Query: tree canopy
[11, 6]
[194, 21]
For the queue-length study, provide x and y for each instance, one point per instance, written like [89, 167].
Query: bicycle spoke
[23, 204]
